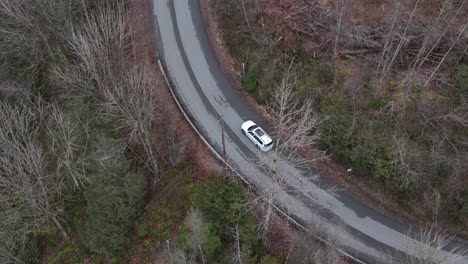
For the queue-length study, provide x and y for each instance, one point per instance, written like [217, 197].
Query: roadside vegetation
[387, 80]
[92, 166]
[74, 172]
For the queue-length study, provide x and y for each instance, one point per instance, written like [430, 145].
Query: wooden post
[222, 138]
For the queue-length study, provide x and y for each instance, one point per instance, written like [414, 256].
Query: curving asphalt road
[206, 94]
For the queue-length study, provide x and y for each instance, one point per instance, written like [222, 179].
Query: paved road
[206, 94]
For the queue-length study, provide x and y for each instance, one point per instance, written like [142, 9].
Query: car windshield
[259, 132]
[252, 127]
[269, 144]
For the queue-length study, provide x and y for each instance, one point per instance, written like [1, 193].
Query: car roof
[260, 133]
[266, 139]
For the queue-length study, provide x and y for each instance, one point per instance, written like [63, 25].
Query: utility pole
[221, 121]
[224, 144]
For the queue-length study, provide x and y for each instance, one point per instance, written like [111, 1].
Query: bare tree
[295, 128]
[181, 258]
[389, 36]
[309, 249]
[340, 6]
[199, 230]
[239, 254]
[132, 104]
[124, 91]
[295, 123]
[267, 198]
[31, 184]
[433, 248]
[15, 91]
[462, 31]
[31, 31]
[62, 135]
[246, 15]
[392, 55]
[430, 32]
[436, 36]
[440, 38]
[404, 162]
[99, 46]
[175, 145]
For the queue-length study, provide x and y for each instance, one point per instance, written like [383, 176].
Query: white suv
[259, 137]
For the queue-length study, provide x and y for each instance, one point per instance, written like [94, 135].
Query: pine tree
[114, 197]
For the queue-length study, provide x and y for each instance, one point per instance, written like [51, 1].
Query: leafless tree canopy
[432, 249]
[295, 120]
[132, 104]
[34, 176]
[98, 45]
[295, 129]
[31, 32]
[103, 72]
[54, 56]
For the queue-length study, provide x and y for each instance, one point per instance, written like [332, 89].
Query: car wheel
[243, 132]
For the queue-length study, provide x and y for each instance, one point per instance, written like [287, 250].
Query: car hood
[247, 124]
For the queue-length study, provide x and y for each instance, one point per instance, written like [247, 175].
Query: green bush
[325, 73]
[364, 157]
[114, 197]
[222, 206]
[209, 241]
[415, 88]
[241, 46]
[335, 135]
[200, 235]
[339, 103]
[376, 104]
[219, 202]
[383, 169]
[251, 79]
[312, 85]
[363, 148]
[304, 57]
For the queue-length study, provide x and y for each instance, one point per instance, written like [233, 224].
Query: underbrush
[219, 228]
[201, 221]
[406, 135]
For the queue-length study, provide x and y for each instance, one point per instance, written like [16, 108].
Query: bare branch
[431, 249]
